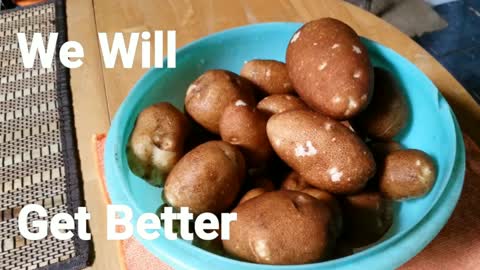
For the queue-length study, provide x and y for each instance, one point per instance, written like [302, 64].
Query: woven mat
[38, 154]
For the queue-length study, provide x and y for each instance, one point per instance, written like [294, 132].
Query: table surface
[98, 92]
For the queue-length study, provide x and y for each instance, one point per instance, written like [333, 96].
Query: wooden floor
[98, 92]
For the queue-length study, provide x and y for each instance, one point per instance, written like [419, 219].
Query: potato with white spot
[330, 68]
[387, 114]
[157, 142]
[206, 179]
[324, 152]
[245, 127]
[281, 227]
[209, 95]
[280, 103]
[407, 174]
[270, 76]
[367, 217]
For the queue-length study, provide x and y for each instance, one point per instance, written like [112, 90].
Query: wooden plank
[98, 92]
[91, 116]
[90, 106]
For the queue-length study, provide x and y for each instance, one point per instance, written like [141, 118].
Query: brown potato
[281, 227]
[295, 182]
[245, 127]
[209, 95]
[367, 217]
[332, 202]
[380, 149]
[330, 68]
[388, 111]
[252, 193]
[407, 174]
[206, 179]
[280, 103]
[157, 141]
[324, 152]
[270, 76]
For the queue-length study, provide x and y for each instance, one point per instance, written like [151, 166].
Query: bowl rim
[119, 190]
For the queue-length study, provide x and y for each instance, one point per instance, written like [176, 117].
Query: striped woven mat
[38, 153]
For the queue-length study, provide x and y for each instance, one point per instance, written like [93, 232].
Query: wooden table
[98, 92]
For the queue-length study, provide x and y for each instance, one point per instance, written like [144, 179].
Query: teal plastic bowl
[432, 128]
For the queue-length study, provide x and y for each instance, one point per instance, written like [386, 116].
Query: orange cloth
[456, 247]
[458, 244]
[26, 3]
[132, 254]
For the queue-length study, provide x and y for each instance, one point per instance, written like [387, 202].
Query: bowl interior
[431, 127]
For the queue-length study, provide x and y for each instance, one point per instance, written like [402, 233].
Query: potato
[209, 95]
[367, 217]
[388, 111]
[332, 202]
[270, 76]
[330, 69]
[281, 227]
[157, 141]
[324, 152]
[245, 127]
[206, 179]
[252, 193]
[380, 149]
[295, 182]
[407, 174]
[280, 103]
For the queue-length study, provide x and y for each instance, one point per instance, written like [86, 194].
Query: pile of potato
[302, 151]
